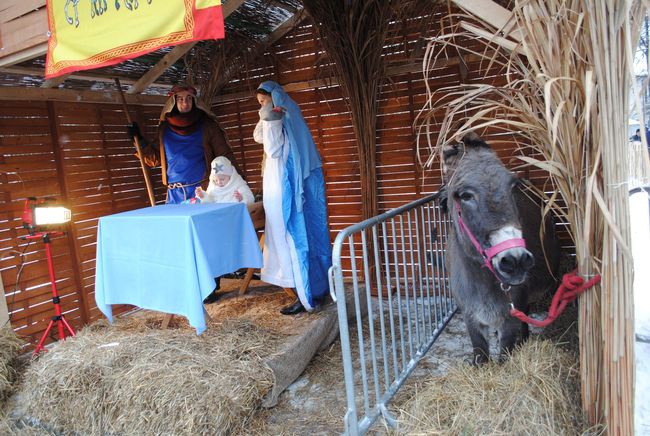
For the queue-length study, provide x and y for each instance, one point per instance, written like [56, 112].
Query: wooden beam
[55, 81]
[481, 32]
[4, 311]
[286, 26]
[40, 72]
[22, 34]
[71, 95]
[168, 60]
[72, 234]
[15, 8]
[493, 14]
[175, 54]
[24, 55]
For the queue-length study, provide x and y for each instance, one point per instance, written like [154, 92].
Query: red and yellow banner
[86, 34]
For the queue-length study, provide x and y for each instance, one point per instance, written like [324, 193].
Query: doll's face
[264, 99]
[221, 180]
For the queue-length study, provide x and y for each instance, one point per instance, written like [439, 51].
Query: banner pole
[138, 148]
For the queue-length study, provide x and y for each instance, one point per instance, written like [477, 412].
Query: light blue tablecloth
[165, 258]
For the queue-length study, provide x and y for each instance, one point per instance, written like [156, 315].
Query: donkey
[495, 257]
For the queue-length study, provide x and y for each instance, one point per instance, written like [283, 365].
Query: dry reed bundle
[5, 425]
[565, 71]
[135, 378]
[532, 393]
[639, 165]
[10, 346]
[353, 35]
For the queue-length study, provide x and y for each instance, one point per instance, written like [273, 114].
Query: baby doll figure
[226, 185]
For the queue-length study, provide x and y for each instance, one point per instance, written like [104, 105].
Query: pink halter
[489, 253]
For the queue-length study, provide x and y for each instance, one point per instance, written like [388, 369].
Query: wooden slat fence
[81, 156]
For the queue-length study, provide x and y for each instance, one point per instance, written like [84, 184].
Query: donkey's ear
[450, 156]
[450, 151]
[471, 139]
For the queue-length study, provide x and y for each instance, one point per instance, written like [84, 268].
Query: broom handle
[138, 148]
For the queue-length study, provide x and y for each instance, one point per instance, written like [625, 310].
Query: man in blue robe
[189, 138]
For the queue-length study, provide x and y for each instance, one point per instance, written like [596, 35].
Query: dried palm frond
[210, 65]
[354, 35]
[557, 74]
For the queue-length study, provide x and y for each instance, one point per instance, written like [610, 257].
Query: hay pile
[261, 309]
[533, 392]
[134, 377]
[10, 346]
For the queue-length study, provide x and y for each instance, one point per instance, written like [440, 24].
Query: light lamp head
[38, 213]
[48, 215]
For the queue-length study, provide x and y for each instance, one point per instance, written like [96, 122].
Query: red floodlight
[39, 214]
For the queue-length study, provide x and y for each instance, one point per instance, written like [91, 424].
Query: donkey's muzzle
[512, 265]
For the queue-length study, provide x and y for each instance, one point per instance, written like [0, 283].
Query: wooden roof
[24, 33]
[251, 25]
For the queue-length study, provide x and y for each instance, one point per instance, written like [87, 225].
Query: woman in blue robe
[298, 202]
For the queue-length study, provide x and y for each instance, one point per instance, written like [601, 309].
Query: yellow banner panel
[93, 34]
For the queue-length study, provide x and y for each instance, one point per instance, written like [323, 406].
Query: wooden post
[4, 311]
[71, 236]
[138, 148]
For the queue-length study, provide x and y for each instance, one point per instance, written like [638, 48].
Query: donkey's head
[481, 200]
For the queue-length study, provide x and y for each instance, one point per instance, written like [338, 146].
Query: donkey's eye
[466, 196]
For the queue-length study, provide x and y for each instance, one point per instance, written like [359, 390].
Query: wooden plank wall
[81, 156]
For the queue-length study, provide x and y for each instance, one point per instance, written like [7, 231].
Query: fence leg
[387, 416]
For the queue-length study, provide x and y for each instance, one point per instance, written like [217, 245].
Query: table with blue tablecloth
[165, 258]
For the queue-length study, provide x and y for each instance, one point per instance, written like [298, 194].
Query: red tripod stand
[59, 318]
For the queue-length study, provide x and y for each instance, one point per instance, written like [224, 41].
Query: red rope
[572, 286]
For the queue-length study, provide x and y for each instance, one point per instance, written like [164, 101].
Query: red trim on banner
[206, 23]
[51, 41]
[112, 61]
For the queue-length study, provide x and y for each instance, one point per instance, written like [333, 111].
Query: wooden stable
[66, 138]
[71, 144]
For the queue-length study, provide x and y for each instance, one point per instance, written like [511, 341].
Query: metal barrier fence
[399, 281]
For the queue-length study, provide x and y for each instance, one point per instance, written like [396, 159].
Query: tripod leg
[65, 323]
[60, 326]
[39, 347]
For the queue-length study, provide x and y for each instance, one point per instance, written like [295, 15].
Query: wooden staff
[138, 148]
